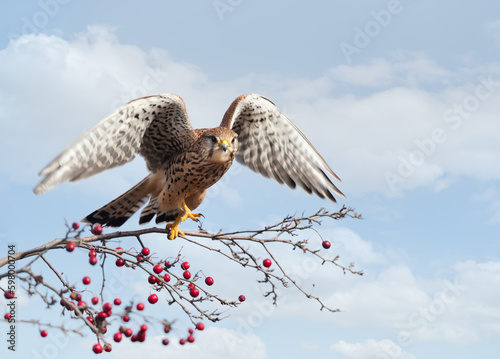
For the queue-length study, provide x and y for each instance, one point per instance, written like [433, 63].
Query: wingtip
[40, 188]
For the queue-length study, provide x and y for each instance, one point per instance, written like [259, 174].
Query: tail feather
[149, 211]
[118, 211]
[170, 216]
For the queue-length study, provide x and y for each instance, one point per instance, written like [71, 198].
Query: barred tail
[118, 211]
[151, 210]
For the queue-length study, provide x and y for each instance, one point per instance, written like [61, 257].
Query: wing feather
[155, 126]
[270, 144]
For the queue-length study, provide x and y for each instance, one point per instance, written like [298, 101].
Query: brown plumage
[185, 162]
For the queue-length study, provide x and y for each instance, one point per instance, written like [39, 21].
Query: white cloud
[460, 310]
[370, 349]
[211, 343]
[401, 69]
[349, 245]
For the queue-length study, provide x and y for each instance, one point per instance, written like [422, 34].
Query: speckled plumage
[185, 162]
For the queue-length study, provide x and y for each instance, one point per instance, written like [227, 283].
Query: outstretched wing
[270, 144]
[154, 126]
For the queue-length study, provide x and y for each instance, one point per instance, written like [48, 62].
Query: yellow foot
[174, 227]
[174, 230]
[189, 214]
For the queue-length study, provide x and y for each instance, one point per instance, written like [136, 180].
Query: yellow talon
[174, 230]
[174, 227]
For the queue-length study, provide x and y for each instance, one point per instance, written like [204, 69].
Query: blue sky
[406, 98]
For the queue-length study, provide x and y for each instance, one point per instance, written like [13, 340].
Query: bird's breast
[188, 174]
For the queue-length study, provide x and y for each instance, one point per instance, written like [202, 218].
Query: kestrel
[184, 162]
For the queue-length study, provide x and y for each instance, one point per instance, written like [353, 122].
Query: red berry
[158, 269]
[75, 225]
[86, 280]
[191, 286]
[107, 307]
[190, 339]
[97, 348]
[194, 292]
[165, 341]
[102, 315]
[326, 244]
[166, 329]
[119, 250]
[267, 262]
[139, 258]
[93, 260]
[70, 306]
[92, 253]
[128, 332]
[82, 305]
[144, 327]
[70, 247]
[209, 281]
[182, 341]
[242, 298]
[97, 229]
[117, 337]
[140, 306]
[166, 277]
[117, 301]
[186, 274]
[95, 300]
[9, 294]
[153, 298]
[107, 347]
[7, 316]
[125, 318]
[191, 330]
[44, 333]
[185, 265]
[134, 338]
[152, 279]
[120, 262]
[200, 326]
[167, 265]
[141, 336]
[145, 251]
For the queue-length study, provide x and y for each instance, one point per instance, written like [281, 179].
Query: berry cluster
[99, 316]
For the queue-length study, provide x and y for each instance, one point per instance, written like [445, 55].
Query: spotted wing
[154, 126]
[270, 144]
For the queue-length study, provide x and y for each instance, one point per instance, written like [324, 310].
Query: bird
[184, 162]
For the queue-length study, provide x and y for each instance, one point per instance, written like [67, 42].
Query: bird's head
[221, 143]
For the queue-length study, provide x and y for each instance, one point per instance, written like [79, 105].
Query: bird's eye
[234, 139]
[214, 139]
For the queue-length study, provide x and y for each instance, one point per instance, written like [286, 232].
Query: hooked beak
[224, 145]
